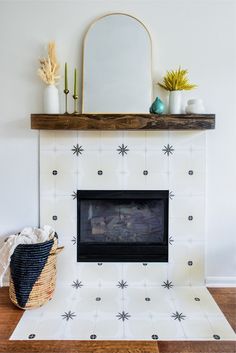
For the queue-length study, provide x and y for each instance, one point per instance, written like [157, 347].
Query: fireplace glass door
[122, 225]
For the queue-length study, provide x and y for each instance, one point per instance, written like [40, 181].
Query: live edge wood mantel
[122, 122]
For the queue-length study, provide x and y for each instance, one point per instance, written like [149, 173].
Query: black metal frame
[123, 252]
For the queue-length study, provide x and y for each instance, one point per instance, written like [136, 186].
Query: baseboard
[220, 281]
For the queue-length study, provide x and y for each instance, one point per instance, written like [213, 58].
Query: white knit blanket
[27, 236]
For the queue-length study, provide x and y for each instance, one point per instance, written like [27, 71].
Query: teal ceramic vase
[157, 106]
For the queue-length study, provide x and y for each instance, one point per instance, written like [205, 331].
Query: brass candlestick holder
[75, 97]
[66, 91]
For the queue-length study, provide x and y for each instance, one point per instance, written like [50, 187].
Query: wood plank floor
[10, 315]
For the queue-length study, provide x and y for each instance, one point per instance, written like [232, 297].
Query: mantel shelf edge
[122, 121]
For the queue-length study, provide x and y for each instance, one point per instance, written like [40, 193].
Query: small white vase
[175, 102]
[195, 106]
[51, 100]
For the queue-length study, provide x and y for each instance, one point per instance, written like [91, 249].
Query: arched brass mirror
[117, 66]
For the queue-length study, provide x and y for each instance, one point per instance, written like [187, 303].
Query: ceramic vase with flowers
[49, 74]
[176, 81]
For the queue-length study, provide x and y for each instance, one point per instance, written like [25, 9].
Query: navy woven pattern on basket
[27, 263]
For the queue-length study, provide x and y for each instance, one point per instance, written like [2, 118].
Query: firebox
[122, 226]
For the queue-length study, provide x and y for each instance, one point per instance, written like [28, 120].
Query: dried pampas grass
[49, 67]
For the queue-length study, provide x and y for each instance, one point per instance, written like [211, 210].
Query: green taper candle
[66, 78]
[75, 82]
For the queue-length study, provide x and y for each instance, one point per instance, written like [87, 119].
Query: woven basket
[33, 273]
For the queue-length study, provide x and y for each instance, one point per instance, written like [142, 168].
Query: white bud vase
[51, 100]
[175, 102]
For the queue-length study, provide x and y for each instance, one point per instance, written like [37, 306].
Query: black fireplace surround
[122, 226]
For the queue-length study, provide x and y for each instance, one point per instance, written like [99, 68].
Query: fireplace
[126, 226]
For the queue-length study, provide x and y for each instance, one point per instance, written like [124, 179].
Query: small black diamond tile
[155, 337]
[216, 337]
[93, 337]
[54, 172]
[190, 218]
[190, 172]
[190, 263]
[147, 299]
[31, 336]
[144, 264]
[99, 263]
[197, 299]
[100, 172]
[54, 218]
[145, 172]
[98, 299]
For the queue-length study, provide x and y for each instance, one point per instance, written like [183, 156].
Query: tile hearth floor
[123, 310]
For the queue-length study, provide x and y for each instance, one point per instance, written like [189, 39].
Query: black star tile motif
[168, 284]
[74, 195]
[122, 284]
[178, 316]
[190, 172]
[54, 172]
[171, 240]
[197, 299]
[77, 149]
[68, 316]
[147, 299]
[145, 172]
[190, 263]
[54, 218]
[77, 284]
[73, 240]
[122, 149]
[168, 149]
[171, 195]
[93, 337]
[123, 316]
[98, 299]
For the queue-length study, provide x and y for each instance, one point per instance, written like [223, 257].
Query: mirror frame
[83, 52]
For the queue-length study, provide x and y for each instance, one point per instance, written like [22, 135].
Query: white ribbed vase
[175, 102]
[51, 100]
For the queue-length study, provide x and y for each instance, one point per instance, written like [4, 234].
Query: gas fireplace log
[98, 225]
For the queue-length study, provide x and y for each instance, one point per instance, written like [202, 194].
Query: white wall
[199, 35]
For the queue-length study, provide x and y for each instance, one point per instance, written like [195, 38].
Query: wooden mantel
[122, 122]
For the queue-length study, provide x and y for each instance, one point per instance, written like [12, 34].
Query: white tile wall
[174, 161]
[127, 301]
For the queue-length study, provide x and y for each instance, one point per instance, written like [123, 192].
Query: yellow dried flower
[49, 67]
[176, 80]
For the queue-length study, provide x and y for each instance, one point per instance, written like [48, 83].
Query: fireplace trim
[117, 252]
